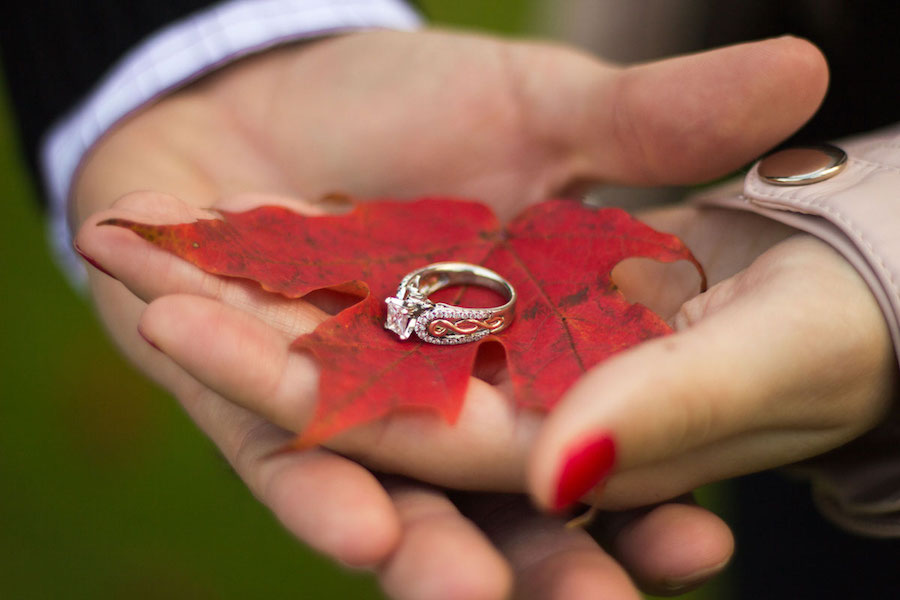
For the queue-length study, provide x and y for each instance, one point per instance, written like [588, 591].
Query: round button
[802, 165]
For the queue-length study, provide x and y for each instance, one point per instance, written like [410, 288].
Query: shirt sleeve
[857, 211]
[178, 54]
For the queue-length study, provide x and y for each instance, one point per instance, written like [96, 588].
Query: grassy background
[108, 491]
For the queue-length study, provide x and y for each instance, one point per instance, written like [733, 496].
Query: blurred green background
[108, 491]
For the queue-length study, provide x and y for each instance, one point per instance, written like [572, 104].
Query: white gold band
[439, 323]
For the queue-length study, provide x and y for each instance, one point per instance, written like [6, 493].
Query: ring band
[438, 323]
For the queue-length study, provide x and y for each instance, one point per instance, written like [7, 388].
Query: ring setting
[411, 311]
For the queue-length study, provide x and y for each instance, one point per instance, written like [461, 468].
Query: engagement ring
[438, 323]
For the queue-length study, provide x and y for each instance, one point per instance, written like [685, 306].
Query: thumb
[675, 121]
[782, 362]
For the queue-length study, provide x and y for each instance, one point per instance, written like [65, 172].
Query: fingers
[782, 362]
[249, 362]
[150, 273]
[674, 121]
[670, 548]
[328, 502]
[442, 555]
[576, 573]
[550, 561]
[665, 549]
[242, 358]
[639, 408]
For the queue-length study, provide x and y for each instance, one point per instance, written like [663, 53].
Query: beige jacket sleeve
[857, 211]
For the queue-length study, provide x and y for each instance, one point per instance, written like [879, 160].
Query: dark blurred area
[786, 550]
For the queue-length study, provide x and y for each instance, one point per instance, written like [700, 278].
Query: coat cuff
[857, 211]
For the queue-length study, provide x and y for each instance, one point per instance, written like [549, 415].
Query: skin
[381, 114]
[786, 359]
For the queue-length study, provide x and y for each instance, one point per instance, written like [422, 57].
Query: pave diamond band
[438, 323]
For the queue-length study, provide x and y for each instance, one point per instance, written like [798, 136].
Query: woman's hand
[784, 358]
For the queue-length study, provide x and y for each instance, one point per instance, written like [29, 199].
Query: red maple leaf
[557, 255]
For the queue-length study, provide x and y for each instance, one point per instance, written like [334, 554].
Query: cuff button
[802, 165]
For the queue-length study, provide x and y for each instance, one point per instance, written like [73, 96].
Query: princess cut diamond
[398, 318]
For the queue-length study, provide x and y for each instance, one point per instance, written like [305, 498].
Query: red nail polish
[585, 465]
[91, 261]
[148, 340]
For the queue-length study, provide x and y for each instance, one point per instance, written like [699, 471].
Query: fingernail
[148, 340]
[585, 465]
[91, 260]
[687, 583]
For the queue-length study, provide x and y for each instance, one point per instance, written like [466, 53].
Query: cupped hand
[399, 115]
[786, 357]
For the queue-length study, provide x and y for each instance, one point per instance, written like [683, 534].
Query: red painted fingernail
[148, 340]
[585, 465]
[91, 260]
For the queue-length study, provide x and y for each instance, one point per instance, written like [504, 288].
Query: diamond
[397, 318]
